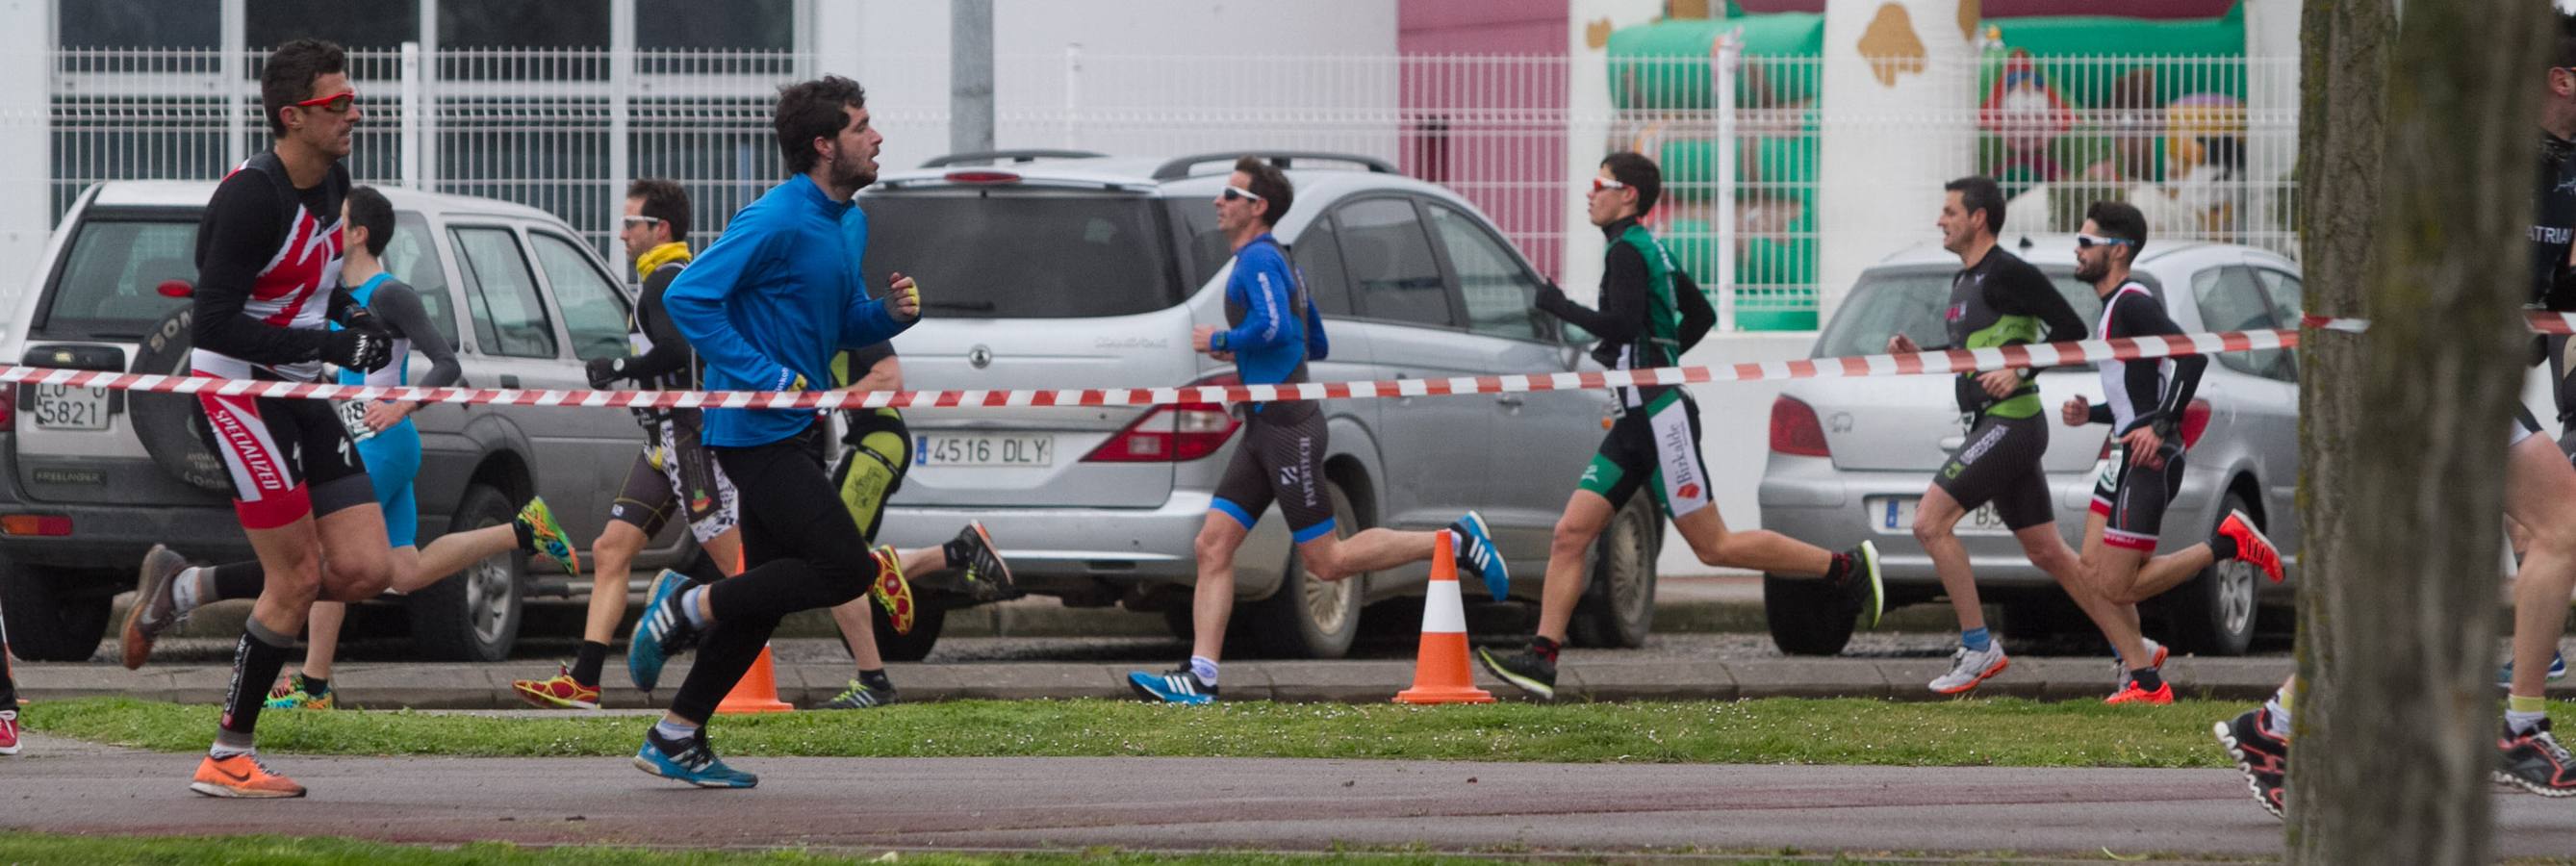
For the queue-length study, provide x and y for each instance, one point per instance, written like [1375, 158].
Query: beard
[853, 173]
[2092, 273]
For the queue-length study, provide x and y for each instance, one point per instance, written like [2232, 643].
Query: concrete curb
[471, 686]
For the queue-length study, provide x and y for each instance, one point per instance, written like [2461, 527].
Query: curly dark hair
[808, 110]
[1271, 185]
[288, 77]
[663, 200]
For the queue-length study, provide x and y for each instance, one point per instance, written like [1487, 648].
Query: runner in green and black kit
[1997, 300]
[1650, 314]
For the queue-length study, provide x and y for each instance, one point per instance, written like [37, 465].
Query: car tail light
[982, 176]
[1171, 434]
[2195, 418]
[1795, 430]
[35, 524]
[8, 408]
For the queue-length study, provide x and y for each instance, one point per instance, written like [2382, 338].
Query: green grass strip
[1986, 732]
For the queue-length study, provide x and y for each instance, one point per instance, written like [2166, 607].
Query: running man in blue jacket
[767, 307]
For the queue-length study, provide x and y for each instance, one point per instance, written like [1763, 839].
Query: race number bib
[353, 416]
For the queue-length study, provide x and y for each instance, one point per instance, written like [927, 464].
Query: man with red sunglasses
[268, 288]
[2143, 402]
[1650, 314]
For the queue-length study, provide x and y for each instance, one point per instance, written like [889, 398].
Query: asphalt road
[1192, 803]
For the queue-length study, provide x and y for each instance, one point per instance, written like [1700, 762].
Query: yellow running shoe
[551, 542]
[295, 693]
[891, 589]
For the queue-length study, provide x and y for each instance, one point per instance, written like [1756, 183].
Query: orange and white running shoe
[241, 776]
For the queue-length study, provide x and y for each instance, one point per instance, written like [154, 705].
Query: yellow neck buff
[653, 259]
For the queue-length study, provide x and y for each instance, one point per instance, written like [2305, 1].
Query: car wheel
[473, 615]
[1309, 618]
[49, 617]
[1618, 607]
[2214, 613]
[1806, 617]
[169, 425]
[928, 618]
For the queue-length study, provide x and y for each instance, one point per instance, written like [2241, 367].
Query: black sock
[256, 661]
[234, 580]
[2222, 547]
[876, 680]
[526, 534]
[2148, 679]
[585, 666]
[1545, 648]
[1839, 569]
[316, 686]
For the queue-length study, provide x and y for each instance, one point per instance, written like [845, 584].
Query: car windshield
[107, 289]
[1023, 256]
[1886, 301]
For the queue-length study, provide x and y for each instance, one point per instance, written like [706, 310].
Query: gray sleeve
[399, 306]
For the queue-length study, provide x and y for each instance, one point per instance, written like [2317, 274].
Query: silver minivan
[1055, 270]
[96, 477]
[1849, 457]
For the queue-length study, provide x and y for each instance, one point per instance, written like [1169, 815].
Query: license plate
[62, 407]
[983, 449]
[1896, 514]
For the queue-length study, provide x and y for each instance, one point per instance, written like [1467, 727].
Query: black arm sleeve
[236, 238]
[1623, 299]
[2101, 414]
[670, 350]
[399, 307]
[2029, 293]
[1697, 316]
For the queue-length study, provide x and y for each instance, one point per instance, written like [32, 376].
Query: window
[110, 277]
[519, 24]
[1390, 263]
[1501, 296]
[145, 24]
[2231, 300]
[1044, 256]
[1913, 300]
[594, 311]
[412, 258]
[509, 317]
[381, 26]
[2287, 307]
[1319, 260]
[758, 25]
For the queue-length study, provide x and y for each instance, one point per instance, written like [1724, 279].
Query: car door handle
[509, 381]
[1511, 401]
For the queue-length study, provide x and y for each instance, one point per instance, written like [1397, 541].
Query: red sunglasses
[334, 103]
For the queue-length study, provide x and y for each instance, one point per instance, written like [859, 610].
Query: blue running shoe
[1178, 686]
[689, 761]
[659, 631]
[2557, 671]
[1478, 555]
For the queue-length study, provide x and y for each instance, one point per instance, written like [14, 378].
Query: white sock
[1204, 668]
[2276, 717]
[2522, 723]
[673, 731]
[689, 606]
[185, 592]
[220, 751]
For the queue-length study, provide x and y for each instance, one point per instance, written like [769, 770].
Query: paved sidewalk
[1207, 803]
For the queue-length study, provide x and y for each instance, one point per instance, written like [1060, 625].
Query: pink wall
[1455, 105]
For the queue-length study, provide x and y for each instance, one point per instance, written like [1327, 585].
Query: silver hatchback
[1850, 457]
[1043, 270]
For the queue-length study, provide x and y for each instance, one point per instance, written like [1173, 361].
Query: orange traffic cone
[1440, 672]
[757, 691]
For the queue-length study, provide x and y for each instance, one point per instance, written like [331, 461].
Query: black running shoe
[2535, 762]
[987, 577]
[2264, 758]
[1525, 670]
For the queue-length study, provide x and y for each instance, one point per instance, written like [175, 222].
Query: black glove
[1550, 297]
[362, 349]
[604, 371]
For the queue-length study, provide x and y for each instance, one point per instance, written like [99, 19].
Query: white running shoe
[1969, 667]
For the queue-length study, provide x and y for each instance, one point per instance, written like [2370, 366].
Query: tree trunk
[2402, 425]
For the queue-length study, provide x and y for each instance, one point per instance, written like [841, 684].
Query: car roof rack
[1027, 155]
[1180, 168]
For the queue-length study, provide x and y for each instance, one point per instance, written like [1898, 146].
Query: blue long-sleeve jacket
[1269, 339]
[772, 300]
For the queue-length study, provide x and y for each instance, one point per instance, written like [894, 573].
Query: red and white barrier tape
[2541, 322]
[1918, 363]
